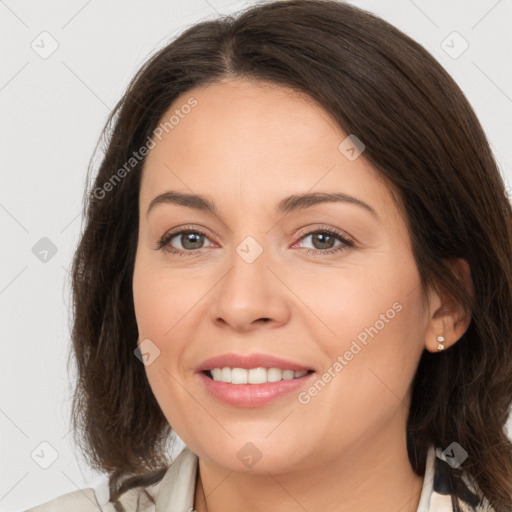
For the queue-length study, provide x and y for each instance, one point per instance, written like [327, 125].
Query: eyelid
[169, 235]
[345, 237]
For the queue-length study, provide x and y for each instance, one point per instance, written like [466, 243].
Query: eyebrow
[289, 204]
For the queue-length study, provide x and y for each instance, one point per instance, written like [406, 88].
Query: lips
[250, 361]
[248, 395]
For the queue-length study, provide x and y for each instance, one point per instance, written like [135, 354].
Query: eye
[324, 241]
[184, 241]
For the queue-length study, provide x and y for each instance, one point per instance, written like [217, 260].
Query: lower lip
[252, 395]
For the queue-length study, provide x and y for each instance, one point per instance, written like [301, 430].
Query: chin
[254, 457]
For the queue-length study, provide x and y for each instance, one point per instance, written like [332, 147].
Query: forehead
[257, 139]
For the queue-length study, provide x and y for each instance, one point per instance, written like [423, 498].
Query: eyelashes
[346, 242]
[326, 233]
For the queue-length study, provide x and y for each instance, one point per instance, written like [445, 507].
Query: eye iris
[195, 239]
[324, 239]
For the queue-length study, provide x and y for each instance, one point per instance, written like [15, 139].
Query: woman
[297, 256]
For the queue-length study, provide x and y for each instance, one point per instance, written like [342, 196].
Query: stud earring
[440, 340]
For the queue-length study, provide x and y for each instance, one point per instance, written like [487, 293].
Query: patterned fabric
[453, 490]
[446, 488]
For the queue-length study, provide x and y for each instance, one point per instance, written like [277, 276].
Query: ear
[447, 317]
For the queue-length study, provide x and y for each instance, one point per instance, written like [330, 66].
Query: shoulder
[83, 500]
[176, 488]
[89, 500]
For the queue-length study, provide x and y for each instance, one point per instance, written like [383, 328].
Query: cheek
[162, 299]
[378, 358]
[371, 330]
[371, 364]
[166, 307]
[344, 304]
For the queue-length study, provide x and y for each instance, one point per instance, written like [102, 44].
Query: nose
[250, 295]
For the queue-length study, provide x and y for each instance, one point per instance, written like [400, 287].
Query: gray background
[52, 110]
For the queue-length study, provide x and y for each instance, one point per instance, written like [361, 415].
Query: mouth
[253, 380]
[253, 387]
[259, 375]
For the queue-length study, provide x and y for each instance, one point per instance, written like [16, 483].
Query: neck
[374, 475]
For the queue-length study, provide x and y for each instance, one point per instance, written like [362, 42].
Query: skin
[246, 145]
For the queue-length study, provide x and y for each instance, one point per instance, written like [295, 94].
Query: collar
[177, 487]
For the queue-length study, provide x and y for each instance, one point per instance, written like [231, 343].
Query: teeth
[274, 374]
[225, 374]
[254, 375]
[238, 376]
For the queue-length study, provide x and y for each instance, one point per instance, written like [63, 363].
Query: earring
[440, 340]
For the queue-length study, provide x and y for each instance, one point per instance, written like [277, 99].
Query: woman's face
[260, 275]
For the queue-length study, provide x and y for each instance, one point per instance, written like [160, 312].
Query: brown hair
[420, 132]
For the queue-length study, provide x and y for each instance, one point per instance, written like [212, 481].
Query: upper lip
[249, 361]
